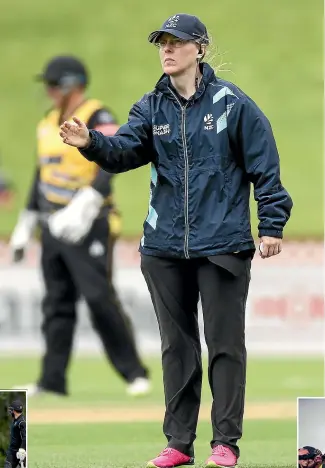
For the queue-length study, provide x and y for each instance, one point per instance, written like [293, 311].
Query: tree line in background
[6, 398]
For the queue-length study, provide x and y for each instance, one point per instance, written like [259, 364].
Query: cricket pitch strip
[253, 411]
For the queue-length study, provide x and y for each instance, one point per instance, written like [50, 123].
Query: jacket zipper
[187, 227]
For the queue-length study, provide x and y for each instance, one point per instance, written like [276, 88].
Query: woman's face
[55, 94]
[176, 55]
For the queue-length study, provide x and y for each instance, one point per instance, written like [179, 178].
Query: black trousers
[85, 269]
[175, 285]
[12, 460]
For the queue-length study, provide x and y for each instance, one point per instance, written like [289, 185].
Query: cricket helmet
[17, 406]
[64, 71]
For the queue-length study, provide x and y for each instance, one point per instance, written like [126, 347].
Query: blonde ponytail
[215, 58]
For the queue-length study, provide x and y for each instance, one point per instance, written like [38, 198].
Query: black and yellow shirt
[61, 171]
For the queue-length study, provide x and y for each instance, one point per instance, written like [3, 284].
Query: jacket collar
[164, 84]
[19, 418]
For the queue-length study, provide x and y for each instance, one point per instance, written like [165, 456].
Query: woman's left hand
[270, 246]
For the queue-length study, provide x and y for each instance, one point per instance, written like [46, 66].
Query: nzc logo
[208, 120]
[172, 21]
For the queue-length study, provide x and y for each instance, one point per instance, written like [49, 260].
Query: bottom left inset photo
[13, 429]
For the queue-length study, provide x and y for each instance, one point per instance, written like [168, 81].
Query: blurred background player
[71, 199]
[310, 457]
[16, 455]
[7, 190]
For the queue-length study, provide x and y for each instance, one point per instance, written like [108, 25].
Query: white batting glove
[72, 223]
[22, 234]
[21, 454]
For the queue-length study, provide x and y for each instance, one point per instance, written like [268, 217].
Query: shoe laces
[167, 451]
[220, 450]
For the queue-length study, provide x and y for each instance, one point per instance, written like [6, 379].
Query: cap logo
[172, 22]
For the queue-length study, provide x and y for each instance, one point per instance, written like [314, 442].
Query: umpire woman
[207, 142]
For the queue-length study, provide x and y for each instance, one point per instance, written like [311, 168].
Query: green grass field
[93, 386]
[275, 50]
[130, 445]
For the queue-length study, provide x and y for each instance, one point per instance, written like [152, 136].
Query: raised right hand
[75, 134]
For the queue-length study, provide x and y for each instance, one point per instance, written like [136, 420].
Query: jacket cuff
[270, 233]
[87, 152]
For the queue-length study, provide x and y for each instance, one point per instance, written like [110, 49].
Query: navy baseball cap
[183, 26]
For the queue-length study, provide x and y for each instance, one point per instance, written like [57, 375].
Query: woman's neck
[70, 106]
[185, 83]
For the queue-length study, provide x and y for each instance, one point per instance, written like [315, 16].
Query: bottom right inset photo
[311, 432]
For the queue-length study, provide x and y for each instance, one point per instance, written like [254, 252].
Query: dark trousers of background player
[12, 460]
[71, 270]
[175, 284]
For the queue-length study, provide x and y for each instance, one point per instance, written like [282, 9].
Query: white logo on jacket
[96, 249]
[208, 120]
[161, 129]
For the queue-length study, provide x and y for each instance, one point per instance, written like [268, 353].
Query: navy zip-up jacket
[204, 152]
[18, 434]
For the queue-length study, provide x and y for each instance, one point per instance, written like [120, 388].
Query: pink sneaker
[221, 457]
[170, 458]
